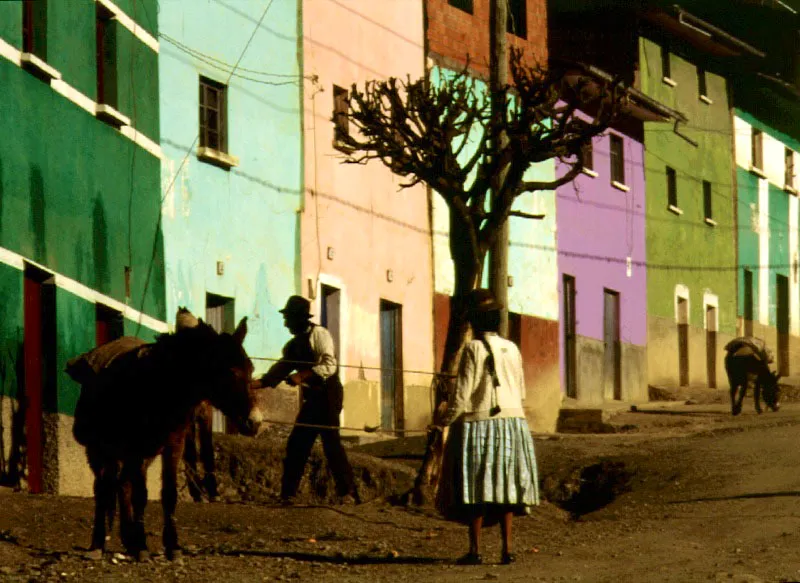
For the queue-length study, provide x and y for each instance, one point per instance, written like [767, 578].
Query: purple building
[602, 272]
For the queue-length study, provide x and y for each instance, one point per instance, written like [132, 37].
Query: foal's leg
[170, 459]
[190, 461]
[203, 422]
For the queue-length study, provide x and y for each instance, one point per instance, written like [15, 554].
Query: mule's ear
[241, 331]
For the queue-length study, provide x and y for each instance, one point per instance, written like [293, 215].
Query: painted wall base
[662, 355]
[590, 365]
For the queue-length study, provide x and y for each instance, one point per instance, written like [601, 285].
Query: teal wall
[247, 217]
[76, 196]
[747, 190]
[683, 249]
[779, 253]
[532, 256]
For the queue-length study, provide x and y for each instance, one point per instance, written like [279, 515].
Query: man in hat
[309, 363]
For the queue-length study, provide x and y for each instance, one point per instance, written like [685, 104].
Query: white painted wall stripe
[794, 274]
[130, 24]
[78, 289]
[763, 251]
[142, 141]
[74, 95]
[10, 53]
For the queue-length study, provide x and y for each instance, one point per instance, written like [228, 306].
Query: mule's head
[229, 374]
[771, 391]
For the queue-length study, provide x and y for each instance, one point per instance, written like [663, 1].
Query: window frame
[207, 84]
[708, 203]
[757, 149]
[34, 28]
[672, 188]
[341, 124]
[702, 83]
[463, 5]
[666, 64]
[788, 169]
[521, 17]
[616, 155]
[587, 156]
[106, 68]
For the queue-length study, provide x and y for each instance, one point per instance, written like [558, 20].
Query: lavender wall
[599, 226]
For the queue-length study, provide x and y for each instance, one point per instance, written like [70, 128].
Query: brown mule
[137, 404]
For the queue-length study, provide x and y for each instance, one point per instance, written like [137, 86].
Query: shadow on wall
[12, 415]
[38, 214]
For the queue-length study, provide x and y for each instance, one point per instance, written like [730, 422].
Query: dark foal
[139, 405]
[200, 447]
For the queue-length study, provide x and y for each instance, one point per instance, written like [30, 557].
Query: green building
[81, 251]
[691, 193]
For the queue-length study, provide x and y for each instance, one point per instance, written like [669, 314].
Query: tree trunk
[468, 271]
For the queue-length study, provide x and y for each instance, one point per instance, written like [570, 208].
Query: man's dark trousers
[302, 439]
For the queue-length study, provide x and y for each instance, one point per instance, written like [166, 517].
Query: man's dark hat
[482, 300]
[297, 306]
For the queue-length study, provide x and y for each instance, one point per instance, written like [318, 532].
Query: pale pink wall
[358, 210]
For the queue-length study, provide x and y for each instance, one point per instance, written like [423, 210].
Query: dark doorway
[109, 324]
[782, 316]
[220, 316]
[40, 361]
[330, 317]
[711, 346]
[570, 360]
[391, 324]
[683, 341]
[612, 359]
[748, 302]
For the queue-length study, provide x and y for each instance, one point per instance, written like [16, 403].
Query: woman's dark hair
[486, 321]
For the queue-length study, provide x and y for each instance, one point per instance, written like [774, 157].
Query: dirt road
[693, 495]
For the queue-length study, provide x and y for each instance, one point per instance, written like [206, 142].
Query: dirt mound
[250, 469]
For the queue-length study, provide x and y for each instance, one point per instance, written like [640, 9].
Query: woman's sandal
[507, 558]
[470, 559]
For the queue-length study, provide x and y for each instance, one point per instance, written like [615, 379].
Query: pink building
[366, 245]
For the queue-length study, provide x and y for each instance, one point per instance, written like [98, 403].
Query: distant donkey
[747, 362]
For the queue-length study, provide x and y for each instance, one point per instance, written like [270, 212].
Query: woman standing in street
[489, 470]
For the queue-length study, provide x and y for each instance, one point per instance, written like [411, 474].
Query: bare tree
[443, 134]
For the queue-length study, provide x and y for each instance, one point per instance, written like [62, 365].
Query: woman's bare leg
[505, 530]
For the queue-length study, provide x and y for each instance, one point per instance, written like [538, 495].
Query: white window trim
[705, 99]
[130, 24]
[344, 323]
[757, 171]
[710, 221]
[620, 186]
[76, 288]
[589, 172]
[682, 293]
[39, 67]
[669, 81]
[711, 301]
[217, 157]
[110, 115]
[790, 189]
[674, 209]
